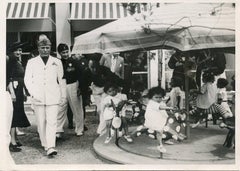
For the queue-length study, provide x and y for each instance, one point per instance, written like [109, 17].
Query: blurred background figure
[5, 127]
[114, 62]
[177, 63]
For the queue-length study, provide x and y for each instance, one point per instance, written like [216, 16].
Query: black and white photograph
[99, 85]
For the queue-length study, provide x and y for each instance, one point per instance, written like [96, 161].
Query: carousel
[189, 29]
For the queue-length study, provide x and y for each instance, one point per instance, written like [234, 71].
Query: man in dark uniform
[82, 63]
[74, 98]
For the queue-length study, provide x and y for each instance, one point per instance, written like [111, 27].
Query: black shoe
[14, 148]
[85, 128]
[19, 144]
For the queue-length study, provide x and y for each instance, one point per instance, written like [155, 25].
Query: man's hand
[25, 98]
[63, 101]
[13, 97]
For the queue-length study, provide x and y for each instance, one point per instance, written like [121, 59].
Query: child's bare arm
[166, 108]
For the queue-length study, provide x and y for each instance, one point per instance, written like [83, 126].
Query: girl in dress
[111, 90]
[156, 115]
[206, 100]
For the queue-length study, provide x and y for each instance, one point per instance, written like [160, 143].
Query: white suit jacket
[45, 83]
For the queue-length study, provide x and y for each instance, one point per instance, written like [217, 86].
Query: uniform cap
[43, 40]
[62, 47]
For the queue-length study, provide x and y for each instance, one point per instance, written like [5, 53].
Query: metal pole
[186, 70]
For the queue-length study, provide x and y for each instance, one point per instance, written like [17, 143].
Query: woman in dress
[16, 75]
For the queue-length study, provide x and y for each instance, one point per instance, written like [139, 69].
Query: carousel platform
[205, 146]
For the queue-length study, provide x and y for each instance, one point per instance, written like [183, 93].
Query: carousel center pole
[186, 70]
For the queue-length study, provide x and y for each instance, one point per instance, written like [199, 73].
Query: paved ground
[71, 150]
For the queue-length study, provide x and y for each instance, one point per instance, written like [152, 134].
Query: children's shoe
[195, 125]
[79, 134]
[128, 138]
[161, 149]
[108, 139]
[175, 137]
[169, 142]
[138, 134]
[151, 136]
[182, 136]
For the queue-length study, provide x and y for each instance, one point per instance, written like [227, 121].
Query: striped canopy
[27, 10]
[97, 11]
[185, 26]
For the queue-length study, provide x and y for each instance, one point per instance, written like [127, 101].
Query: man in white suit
[45, 83]
[114, 62]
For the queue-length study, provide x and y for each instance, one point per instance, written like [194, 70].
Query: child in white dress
[108, 110]
[156, 115]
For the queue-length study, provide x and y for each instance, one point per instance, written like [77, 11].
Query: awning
[87, 16]
[29, 17]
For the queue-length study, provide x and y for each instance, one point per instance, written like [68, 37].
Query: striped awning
[27, 10]
[99, 11]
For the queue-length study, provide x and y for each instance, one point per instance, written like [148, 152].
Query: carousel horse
[174, 128]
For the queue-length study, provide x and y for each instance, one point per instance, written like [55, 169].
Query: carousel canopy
[184, 26]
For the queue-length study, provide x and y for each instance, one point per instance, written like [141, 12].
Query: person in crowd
[233, 82]
[5, 126]
[212, 61]
[114, 62]
[156, 115]
[176, 96]
[74, 98]
[95, 77]
[177, 63]
[117, 98]
[206, 100]
[16, 76]
[82, 63]
[127, 74]
[222, 98]
[47, 87]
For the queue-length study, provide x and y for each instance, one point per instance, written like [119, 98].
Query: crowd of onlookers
[60, 90]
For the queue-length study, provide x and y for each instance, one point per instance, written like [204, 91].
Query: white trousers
[75, 103]
[102, 123]
[47, 124]
[9, 116]
[5, 126]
